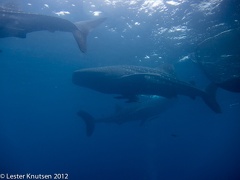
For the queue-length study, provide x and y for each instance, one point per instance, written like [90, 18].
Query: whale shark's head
[99, 79]
[85, 77]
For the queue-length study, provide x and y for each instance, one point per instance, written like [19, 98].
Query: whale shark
[19, 24]
[149, 108]
[130, 81]
[219, 58]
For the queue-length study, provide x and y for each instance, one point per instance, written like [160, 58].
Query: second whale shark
[19, 24]
[131, 81]
[219, 58]
[149, 108]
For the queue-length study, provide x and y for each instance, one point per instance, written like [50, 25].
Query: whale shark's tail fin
[89, 121]
[210, 98]
[83, 29]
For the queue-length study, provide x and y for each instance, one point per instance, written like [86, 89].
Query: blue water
[40, 132]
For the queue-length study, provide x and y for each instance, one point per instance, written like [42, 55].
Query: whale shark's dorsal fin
[169, 69]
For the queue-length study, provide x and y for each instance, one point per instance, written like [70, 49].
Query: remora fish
[130, 81]
[149, 108]
[19, 24]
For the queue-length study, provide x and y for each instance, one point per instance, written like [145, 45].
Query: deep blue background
[40, 132]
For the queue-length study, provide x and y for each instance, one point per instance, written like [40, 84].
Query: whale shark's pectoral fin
[89, 121]
[130, 98]
[210, 98]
